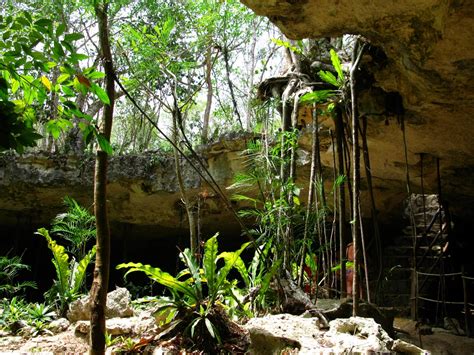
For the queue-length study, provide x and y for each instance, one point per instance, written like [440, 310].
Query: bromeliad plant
[197, 293]
[70, 274]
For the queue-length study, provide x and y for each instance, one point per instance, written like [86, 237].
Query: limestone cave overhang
[428, 59]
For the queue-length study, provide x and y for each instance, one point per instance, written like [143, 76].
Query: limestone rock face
[118, 305]
[287, 333]
[425, 55]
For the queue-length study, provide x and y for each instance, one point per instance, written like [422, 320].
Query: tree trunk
[207, 111]
[309, 206]
[102, 263]
[342, 200]
[188, 204]
[250, 79]
[357, 54]
[231, 86]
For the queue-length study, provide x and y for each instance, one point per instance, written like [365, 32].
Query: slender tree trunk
[250, 78]
[309, 207]
[207, 111]
[102, 263]
[188, 204]
[342, 201]
[357, 54]
[231, 86]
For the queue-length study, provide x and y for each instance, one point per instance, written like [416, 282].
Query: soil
[438, 343]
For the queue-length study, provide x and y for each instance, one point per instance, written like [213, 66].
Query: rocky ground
[135, 331]
[271, 334]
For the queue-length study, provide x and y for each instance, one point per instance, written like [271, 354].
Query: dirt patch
[66, 342]
[440, 342]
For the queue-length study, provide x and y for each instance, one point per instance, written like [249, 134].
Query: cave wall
[428, 59]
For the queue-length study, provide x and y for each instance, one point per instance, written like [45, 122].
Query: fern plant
[197, 292]
[70, 273]
[77, 226]
[10, 268]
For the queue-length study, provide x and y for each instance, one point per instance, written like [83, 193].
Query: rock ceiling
[429, 45]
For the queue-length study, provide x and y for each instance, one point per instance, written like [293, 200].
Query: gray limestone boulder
[59, 325]
[119, 304]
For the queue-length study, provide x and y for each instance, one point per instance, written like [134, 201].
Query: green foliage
[77, 226]
[192, 307]
[10, 267]
[39, 312]
[70, 274]
[40, 78]
[16, 310]
[329, 77]
[281, 43]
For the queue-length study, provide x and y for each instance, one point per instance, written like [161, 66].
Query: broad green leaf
[62, 78]
[15, 86]
[60, 260]
[101, 94]
[162, 277]
[337, 65]
[104, 144]
[210, 327]
[96, 75]
[193, 268]
[316, 97]
[209, 261]
[80, 270]
[70, 37]
[60, 30]
[328, 77]
[44, 22]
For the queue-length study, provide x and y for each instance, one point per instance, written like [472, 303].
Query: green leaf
[70, 37]
[337, 65]
[58, 49]
[328, 77]
[162, 277]
[209, 262]
[60, 30]
[62, 78]
[210, 327]
[316, 97]
[193, 325]
[104, 144]
[60, 260]
[101, 94]
[44, 22]
[80, 270]
[190, 261]
[95, 75]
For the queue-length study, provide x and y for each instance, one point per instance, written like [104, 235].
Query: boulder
[334, 309]
[358, 334]
[275, 333]
[121, 326]
[59, 325]
[403, 347]
[118, 305]
[286, 333]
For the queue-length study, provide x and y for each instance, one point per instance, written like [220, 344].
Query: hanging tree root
[295, 301]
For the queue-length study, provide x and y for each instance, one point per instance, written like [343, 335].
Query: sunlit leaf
[45, 81]
[337, 64]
